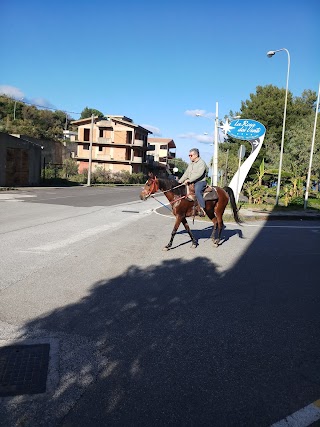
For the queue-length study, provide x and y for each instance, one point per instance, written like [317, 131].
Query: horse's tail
[232, 199]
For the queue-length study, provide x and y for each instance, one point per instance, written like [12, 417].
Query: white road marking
[14, 197]
[85, 234]
[302, 418]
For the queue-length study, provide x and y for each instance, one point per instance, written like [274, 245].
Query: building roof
[167, 141]
[83, 121]
[115, 118]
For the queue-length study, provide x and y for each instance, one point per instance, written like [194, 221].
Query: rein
[161, 203]
[173, 188]
[154, 184]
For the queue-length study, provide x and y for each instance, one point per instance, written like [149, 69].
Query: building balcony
[105, 141]
[137, 159]
[107, 158]
[103, 158]
[138, 143]
[163, 160]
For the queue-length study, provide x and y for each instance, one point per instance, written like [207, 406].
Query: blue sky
[155, 60]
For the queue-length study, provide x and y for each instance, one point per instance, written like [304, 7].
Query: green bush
[70, 167]
[314, 203]
[52, 171]
[101, 176]
[296, 201]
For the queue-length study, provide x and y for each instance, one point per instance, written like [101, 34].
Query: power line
[36, 105]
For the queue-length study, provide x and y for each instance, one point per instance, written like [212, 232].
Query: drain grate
[23, 369]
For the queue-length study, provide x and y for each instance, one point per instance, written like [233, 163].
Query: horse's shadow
[205, 234]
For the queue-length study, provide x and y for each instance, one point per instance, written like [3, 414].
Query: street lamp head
[270, 53]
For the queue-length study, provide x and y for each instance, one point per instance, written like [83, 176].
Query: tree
[31, 121]
[227, 161]
[88, 112]
[266, 106]
[180, 164]
[70, 167]
[297, 153]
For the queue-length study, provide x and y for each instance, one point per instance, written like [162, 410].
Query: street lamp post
[214, 175]
[214, 179]
[90, 152]
[269, 55]
[311, 152]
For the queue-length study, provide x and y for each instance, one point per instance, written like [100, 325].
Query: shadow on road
[183, 344]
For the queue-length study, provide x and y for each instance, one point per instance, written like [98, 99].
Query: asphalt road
[220, 337]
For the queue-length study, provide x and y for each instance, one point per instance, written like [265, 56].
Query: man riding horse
[196, 174]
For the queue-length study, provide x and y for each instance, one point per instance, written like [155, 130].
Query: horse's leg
[214, 228]
[216, 240]
[173, 233]
[210, 209]
[186, 226]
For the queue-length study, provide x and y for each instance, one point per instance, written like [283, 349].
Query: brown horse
[183, 208]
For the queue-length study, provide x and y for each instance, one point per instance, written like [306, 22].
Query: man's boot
[201, 212]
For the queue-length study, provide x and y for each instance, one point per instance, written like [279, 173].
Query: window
[100, 148]
[86, 134]
[86, 146]
[128, 138]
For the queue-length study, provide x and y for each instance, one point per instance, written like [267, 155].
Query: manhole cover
[23, 369]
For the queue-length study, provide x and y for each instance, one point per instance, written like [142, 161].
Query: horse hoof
[165, 249]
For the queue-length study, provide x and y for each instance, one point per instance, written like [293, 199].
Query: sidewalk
[256, 214]
[249, 214]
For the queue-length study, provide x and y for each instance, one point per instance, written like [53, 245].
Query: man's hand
[187, 181]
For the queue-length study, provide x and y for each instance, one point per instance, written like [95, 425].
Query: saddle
[209, 194]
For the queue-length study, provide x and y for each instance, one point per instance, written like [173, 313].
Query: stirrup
[202, 212]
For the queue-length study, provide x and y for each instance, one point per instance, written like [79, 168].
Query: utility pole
[311, 153]
[90, 152]
[215, 148]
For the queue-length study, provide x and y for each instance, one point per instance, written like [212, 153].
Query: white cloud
[204, 139]
[16, 93]
[195, 112]
[202, 113]
[41, 102]
[11, 91]
[156, 131]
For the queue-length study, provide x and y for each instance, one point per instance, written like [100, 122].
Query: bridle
[154, 187]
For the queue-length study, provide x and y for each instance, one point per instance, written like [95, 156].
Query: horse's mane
[169, 184]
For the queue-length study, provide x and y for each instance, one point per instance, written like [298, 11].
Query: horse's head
[150, 187]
